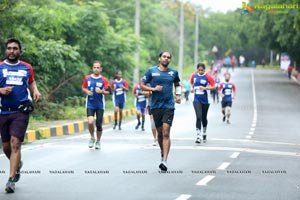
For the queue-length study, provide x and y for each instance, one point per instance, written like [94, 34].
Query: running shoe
[10, 185]
[154, 142]
[198, 140]
[98, 145]
[137, 126]
[91, 142]
[163, 166]
[224, 118]
[18, 174]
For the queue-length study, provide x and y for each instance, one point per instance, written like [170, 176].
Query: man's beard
[12, 60]
[97, 73]
[165, 64]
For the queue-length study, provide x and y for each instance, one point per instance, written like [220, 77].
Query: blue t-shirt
[227, 89]
[164, 98]
[18, 75]
[141, 100]
[204, 80]
[119, 95]
[97, 101]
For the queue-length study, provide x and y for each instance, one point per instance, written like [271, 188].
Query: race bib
[198, 91]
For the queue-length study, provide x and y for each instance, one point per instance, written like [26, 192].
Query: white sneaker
[98, 145]
[154, 142]
[198, 132]
[91, 142]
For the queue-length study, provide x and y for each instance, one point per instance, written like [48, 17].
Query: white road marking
[205, 180]
[183, 197]
[254, 107]
[77, 137]
[255, 141]
[235, 155]
[223, 166]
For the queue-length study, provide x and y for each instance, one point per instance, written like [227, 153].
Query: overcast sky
[219, 5]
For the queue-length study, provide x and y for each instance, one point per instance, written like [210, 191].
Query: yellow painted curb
[31, 136]
[46, 132]
[81, 126]
[71, 129]
[59, 131]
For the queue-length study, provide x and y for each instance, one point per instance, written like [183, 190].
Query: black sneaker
[204, 139]
[224, 118]
[18, 175]
[198, 140]
[163, 166]
[10, 185]
[115, 126]
[137, 126]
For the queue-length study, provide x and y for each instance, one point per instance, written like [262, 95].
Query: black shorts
[99, 116]
[162, 115]
[14, 124]
[226, 104]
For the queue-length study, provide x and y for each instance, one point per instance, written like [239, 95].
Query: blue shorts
[120, 105]
[141, 108]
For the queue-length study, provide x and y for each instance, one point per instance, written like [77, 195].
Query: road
[255, 157]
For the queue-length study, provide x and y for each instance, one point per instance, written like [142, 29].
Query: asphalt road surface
[255, 157]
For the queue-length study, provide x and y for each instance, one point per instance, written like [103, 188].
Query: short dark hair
[161, 53]
[11, 40]
[201, 65]
[97, 61]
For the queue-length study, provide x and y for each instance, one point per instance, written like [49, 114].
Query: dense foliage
[61, 38]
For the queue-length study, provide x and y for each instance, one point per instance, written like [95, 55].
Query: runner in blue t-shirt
[16, 83]
[228, 92]
[161, 80]
[201, 83]
[141, 105]
[95, 86]
[120, 87]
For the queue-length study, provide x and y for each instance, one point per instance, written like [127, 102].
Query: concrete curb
[69, 128]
